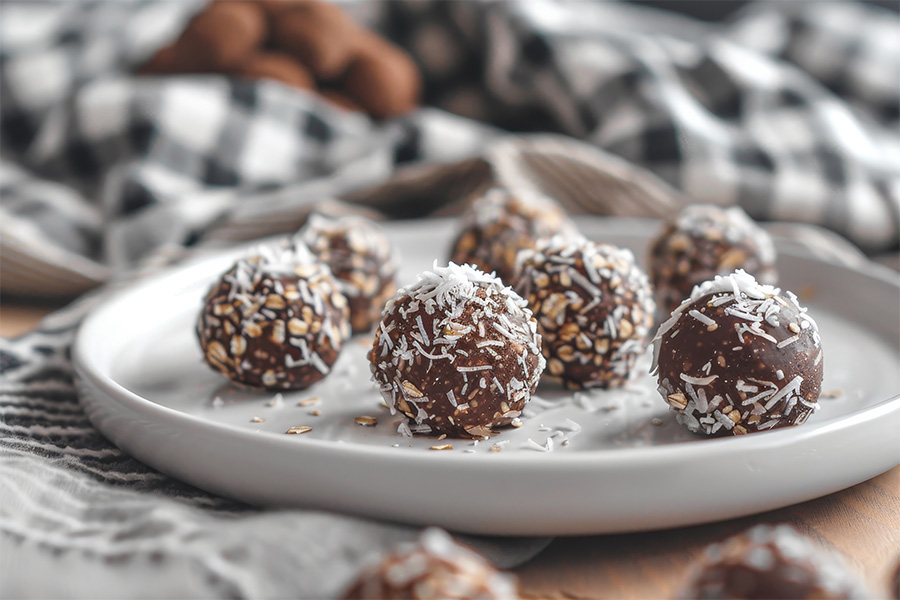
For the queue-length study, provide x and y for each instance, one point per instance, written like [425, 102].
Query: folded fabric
[789, 111]
[106, 526]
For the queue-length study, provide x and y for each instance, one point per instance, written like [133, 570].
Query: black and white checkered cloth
[790, 110]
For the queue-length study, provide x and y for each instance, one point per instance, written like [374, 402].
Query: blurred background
[715, 11]
[134, 132]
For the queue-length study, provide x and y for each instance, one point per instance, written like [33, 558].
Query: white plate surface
[630, 467]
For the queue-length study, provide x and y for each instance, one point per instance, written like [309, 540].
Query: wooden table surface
[861, 523]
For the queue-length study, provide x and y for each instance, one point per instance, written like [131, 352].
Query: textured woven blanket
[789, 110]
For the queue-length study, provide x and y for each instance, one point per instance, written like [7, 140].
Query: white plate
[146, 389]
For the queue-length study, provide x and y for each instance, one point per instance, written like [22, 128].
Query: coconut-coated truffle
[361, 259]
[500, 223]
[275, 320]
[457, 352]
[704, 241]
[771, 561]
[434, 568]
[739, 357]
[594, 308]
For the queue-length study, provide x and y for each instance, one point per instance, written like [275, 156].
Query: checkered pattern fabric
[107, 526]
[850, 49]
[790, 112]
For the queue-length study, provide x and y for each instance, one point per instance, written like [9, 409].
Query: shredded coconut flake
[698, 380]
[701, 317]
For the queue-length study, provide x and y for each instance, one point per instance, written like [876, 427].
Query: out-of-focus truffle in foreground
[434, 568]
[771, 561]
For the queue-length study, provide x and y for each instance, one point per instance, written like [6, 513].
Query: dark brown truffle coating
[361, 259]
[221, 36]
[164, 61]
[435, 567]
[499, 224]
[382, 77]
[594, 309]
[275, 320]
[457, 352]
[341, 100]
[771, 561]
[278, 66]
[736, 366]
[705, 241]
[319, 34]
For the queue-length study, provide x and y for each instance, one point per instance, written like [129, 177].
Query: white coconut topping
[755, 307]
[734, 224]
[281, 258]
[601, 294]
[362, 236]
[740, 288]
[702, 318]
[698, 380]
[253, 297]
[499, 331]
[448, 285]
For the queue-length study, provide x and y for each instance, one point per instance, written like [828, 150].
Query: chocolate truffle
[320, 34]
[435, 567]
[221, 36]
[502, 222]
[705, 241]
[278, 66]
[594, 309]
[739, 357]
[382, 77]
[274, 320]
[361, 259]
[771, 561]
[457, 352]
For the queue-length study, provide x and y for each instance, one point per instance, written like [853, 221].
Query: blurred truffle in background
[306, 44]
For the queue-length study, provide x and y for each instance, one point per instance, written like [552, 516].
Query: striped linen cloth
[789, 110]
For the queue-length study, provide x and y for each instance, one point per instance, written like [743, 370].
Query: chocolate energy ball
[771, 561]
[434, 568]
[220, 36]
[457, 352]
[594, 309]
[382, 77]
[274, 320]
[502, 222]
[739, 357]
[705, 241]
[361, 259]
[275, 65]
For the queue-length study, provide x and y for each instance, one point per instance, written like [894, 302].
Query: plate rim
[686, 450]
